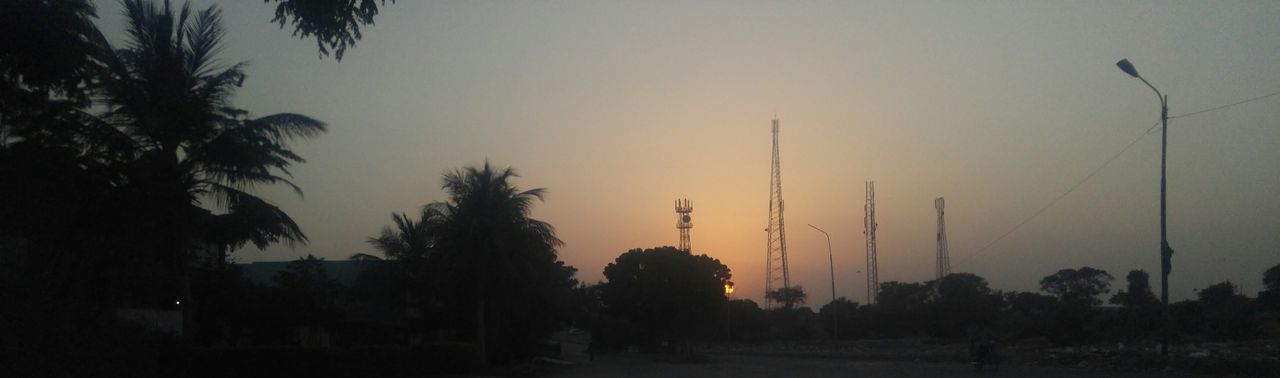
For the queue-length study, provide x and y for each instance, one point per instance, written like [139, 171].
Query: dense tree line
[128, 174]
[1068, 310]
[652, 294]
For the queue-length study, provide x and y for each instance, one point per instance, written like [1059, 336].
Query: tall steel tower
[869, 229]
[776, 261]
[684, 222]
[944, 259]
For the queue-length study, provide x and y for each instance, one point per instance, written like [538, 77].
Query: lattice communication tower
[944, 258]
[869, 229]
[776, 275]
[684, 222]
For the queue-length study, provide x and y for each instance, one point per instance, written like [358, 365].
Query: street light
[728, 308]
[835, 309]
[1166, 252]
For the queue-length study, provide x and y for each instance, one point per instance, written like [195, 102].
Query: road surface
[638, 365]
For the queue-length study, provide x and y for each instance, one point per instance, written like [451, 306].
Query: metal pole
[835, 309]
[1166, 252]
[728, 315]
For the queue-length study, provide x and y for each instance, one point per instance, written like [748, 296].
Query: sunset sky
[620, 107]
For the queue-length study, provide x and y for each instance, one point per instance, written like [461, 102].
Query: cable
[1226, 106]
[1099, 168]
[1059, 198]
[1153, 127]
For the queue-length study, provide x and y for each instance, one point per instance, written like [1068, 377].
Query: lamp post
[1166, 252]
[835, 309]
[728, 308]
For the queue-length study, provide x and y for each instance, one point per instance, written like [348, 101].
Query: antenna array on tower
[684, 222]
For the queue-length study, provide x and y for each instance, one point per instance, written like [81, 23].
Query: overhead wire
[1099, 169]
[1058, 198]
[1227, 105]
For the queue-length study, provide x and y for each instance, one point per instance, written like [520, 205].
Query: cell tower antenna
[684, 222]
[869, 229]
[944, 258]
[776, 273]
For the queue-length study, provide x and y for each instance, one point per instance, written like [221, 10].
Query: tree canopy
[1080, 286]
[790, 297]
[963, 303]
[335, 24]
[490, 255]
[665, 291]
[1138, 292]
[1270, 296]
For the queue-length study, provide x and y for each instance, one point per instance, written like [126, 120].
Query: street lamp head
[1128, 68]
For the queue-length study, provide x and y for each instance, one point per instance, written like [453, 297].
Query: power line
[1059, 198]
[1226, 106]
[1100, 167]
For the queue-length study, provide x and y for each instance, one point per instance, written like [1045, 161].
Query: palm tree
[488, 245]
[189, 158]
[409, 240]
[405, 249]
[183, 142]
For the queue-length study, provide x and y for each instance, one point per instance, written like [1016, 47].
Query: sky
[619, 108]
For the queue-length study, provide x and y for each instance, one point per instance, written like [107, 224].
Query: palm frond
[285, 126]
[204, 37]
[252, 219]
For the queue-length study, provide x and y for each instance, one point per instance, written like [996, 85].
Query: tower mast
[869, 229]
[944, 260]
[776, 261]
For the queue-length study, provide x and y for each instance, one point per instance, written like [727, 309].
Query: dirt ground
[723, 365]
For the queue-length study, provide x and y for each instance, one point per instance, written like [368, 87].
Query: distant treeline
[1074, 306]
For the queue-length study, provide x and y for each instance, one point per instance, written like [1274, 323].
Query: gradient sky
[618, 108]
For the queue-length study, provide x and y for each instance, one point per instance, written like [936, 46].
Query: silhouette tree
[407, 243]
[409, 239]
[170, 127]
[1141, 308]
[181, 139]
[1081, 286]
[1138, 294]
[847, 311]
[790, 297]
[900, 307]
[1226, 314]
[744, 320]
[49, 48]
[1077, 291]
[1271, 278]
[1028, 314]
[1219, 294]
[668, 293]
[307, 293]
[400, 280]
[963, 303]
[334, 23]
[499, 261]
[1270, 296]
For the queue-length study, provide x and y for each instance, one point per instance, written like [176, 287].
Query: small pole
[1166, 252]
[835, 309]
